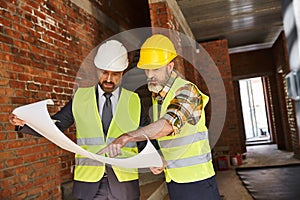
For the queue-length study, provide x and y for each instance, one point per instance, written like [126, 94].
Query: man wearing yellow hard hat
[101, 112]
[179, 125]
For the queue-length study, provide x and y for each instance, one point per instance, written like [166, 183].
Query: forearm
[154, 130]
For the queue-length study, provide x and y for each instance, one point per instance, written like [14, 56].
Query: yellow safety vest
[187, 153]
[90, 136]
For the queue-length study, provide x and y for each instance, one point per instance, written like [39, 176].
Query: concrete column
[297, 19]
[291, 32]
[291, 21]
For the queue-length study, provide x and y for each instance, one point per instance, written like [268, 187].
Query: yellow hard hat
[157, 51]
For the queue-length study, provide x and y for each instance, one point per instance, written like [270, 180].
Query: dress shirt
[114, 99]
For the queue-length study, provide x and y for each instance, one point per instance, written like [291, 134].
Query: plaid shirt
[185, 107]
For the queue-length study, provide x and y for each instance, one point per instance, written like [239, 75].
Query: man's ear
[170, 67]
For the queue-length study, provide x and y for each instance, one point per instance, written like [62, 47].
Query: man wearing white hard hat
[102, 113]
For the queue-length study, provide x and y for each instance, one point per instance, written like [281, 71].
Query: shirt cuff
[18, 128]
[174, 122]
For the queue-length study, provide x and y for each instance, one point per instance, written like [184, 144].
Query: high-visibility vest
[90, 136]
[187, 153]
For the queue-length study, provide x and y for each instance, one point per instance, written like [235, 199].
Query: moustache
[151, 80]
[106, 82]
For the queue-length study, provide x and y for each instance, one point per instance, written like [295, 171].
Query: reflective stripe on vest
[184, 162]
[184, 140]
[87, 161]
[128, 145]
[188, 153]
[100, 141]
[89, 132]
[90, 141]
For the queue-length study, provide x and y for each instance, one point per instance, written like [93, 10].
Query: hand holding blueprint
[37, 117]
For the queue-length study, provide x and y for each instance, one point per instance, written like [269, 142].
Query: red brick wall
[230, 137]
[42, 46]
[289, 134]
[161, 16]
[272, 65]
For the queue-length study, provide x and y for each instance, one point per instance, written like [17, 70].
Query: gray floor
[230, 186]
[229, 183]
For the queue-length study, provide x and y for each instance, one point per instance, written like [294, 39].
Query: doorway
[254, 111]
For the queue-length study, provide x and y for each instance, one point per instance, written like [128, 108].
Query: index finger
[104, 150]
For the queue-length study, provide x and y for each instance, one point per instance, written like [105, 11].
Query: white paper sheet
[37, 117]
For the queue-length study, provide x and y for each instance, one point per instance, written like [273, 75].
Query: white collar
[114, 93]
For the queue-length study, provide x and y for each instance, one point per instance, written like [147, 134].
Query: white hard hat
[111, 56]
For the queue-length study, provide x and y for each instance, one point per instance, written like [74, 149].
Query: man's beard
[109, 89]
[155, 88]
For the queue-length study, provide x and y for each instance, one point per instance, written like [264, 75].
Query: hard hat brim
[110, 67]
[151, 66]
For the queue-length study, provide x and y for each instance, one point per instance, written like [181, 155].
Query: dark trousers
[108, 188]
[201, 190]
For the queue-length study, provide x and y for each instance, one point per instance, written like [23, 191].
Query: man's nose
[149, 73]
[109, 77]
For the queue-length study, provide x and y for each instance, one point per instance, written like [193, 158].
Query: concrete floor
[231, 187]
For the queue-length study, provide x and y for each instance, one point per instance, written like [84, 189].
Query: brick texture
[230, 136]
[272, 65]
[42, 46]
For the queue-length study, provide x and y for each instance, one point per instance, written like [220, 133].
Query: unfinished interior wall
[42, 46]
[291, 141]
[272, 64]
[230, 137]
